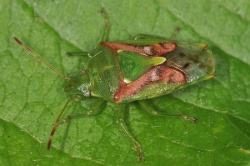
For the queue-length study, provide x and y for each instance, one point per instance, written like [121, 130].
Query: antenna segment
[33, 53]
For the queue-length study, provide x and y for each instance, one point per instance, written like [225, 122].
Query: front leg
[144, 36]
[94, 106]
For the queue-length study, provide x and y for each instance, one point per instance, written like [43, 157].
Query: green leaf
[32, 96]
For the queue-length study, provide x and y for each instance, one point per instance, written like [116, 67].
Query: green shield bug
[133, 70]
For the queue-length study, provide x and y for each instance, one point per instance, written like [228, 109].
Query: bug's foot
[141, 157]
[189, 118]
[176, 31]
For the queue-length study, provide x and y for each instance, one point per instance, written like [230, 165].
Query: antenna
[33, 53]
[57, 123]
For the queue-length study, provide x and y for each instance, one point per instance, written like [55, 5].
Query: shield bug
[134, 70]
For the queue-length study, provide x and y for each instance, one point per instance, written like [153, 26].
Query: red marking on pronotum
[157, 49]
[159, 73]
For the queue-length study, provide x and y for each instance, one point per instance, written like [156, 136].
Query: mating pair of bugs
[132, 70]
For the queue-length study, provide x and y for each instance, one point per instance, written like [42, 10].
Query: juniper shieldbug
[142, 68]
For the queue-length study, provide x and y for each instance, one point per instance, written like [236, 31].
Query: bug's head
[78, 85]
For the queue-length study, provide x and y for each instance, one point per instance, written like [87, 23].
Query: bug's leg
[104, 37]
[176, 31]
[71, 54]
[144, 36]
[154, 112]
[107, 25]
[121, 121]
[94, 107]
